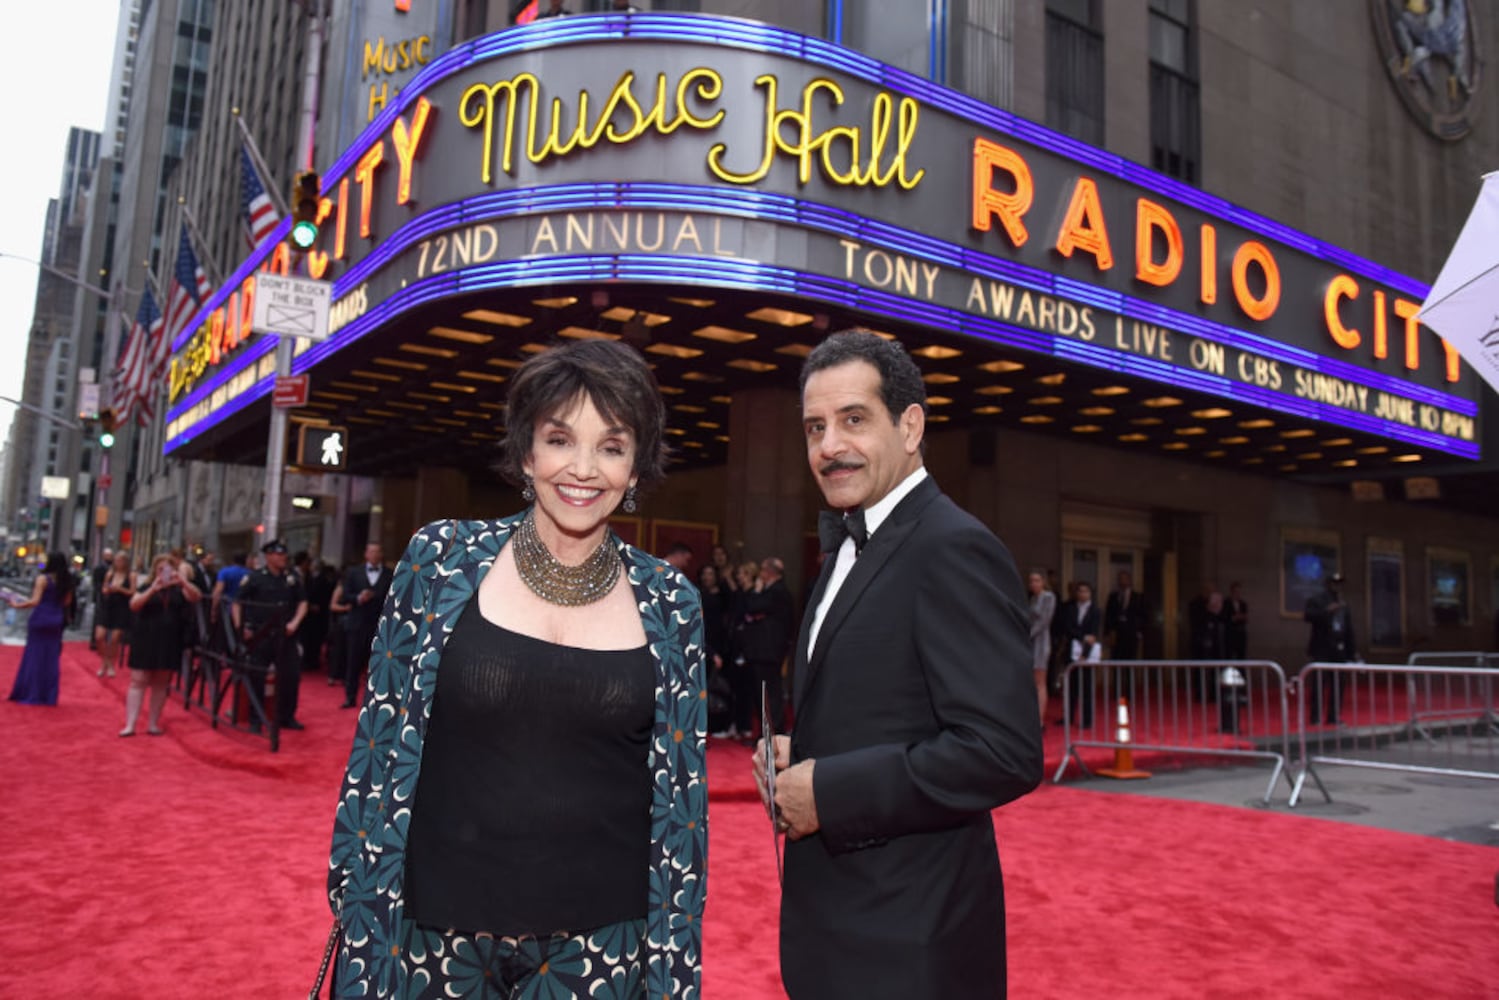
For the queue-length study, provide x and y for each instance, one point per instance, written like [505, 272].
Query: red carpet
[191, 866]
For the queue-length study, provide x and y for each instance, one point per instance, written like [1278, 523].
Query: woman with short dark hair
[530, 819]
[37, 680]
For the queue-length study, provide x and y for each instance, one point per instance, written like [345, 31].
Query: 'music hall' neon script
[848, 155]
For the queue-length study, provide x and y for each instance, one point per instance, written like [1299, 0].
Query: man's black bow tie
[833, 527]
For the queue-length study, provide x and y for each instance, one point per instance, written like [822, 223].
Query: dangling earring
[629, 505]
[528, 491]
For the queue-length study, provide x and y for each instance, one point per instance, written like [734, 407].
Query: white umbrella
[1463, 305]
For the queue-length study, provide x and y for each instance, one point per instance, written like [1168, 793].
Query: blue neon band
[782, 208]
[753, 275]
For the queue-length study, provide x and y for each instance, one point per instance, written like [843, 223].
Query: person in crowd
[200, 568]
[52, 594]
[915, 715]
[530, 753]
[679, 557]
[715, 639]
[336, 650]
[226, 586]
[554, 8]
[1205, 637]
[1059, 649]
[1043, 608]
[160, 607]
[725, 568]
[359, 599]
[769, 630]
[116, 591]
[741, 673]
[1236, 623]
[314, 631]
[1079, 623]
[1125, 619]
[267, 612]
[1126, 616]
[96, 598]
[623, 7]
[1331, 641]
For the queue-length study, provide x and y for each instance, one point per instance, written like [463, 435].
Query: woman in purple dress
[36, 681]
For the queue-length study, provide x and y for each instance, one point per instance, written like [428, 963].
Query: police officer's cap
[274, 545]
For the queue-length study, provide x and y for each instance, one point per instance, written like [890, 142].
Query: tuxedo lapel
[799, 667]
[882, 545]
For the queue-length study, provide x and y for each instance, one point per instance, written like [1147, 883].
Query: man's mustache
[832, 467]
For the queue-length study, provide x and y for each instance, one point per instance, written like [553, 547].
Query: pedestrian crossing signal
[324, 448]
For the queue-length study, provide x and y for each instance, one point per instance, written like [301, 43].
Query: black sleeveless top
[533, 807]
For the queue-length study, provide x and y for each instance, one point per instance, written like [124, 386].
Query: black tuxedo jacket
[1127, 622]
[1072, 629]
[363, 619]
[919, 707]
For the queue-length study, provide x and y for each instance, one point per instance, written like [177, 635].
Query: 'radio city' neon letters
[1004, 190]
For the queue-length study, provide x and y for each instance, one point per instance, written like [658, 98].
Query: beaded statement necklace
[554, 581]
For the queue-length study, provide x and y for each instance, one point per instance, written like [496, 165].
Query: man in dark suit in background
[360, 597]
[915, 711]
[1126, 619]
[1331, 641]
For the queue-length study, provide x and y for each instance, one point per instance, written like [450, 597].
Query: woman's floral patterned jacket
[442, 568]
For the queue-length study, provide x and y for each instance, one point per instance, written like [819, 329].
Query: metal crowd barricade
[1429, 704]
[1223, 708]
[1423, 718]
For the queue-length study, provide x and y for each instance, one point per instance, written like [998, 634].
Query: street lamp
[75, 279]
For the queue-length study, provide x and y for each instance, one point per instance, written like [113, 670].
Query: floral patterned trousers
[601, 963]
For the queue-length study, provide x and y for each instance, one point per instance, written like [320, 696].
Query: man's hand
[795, 800]
[783, 760]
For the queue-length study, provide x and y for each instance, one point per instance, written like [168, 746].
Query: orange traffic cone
[1124, 758]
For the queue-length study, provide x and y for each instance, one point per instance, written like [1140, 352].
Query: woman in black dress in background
[160, 608]
[114, 611]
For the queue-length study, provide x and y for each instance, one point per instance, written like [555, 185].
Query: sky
[55, 75]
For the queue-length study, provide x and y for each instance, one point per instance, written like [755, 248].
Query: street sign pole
[275, 456]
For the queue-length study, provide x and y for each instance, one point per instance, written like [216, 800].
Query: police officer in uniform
[267, 613]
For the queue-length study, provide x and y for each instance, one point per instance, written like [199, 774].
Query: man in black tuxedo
[1079, 620]
[915, 711]
[360, 597]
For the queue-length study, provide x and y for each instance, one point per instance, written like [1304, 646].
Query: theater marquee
[670, 149]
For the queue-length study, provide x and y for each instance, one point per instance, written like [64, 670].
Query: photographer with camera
[160, 608]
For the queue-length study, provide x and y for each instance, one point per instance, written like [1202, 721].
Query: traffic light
[106, 428]
[304, 209]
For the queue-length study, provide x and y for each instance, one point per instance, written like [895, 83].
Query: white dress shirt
[874, 516]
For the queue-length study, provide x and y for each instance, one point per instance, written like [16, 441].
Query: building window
[913, 36]
[1074, 69]
[1175, 114]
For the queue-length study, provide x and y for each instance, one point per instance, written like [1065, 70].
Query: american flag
[260, 215]
[185, 292]
[133, 378]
